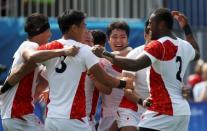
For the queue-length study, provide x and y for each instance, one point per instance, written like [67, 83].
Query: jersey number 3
[179, 60]
[63, 65]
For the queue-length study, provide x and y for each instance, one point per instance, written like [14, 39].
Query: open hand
[180, 17]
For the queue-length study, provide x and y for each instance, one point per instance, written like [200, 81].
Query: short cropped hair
[99, 37]
[69, 18]
[118, 25]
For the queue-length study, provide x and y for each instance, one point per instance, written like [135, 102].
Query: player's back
[166, 74]
[66, 77]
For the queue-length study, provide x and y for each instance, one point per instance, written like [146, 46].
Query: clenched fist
[131, 95]
[71, 50]
[98, 50]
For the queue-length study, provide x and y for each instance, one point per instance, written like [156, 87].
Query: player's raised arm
[183, 22]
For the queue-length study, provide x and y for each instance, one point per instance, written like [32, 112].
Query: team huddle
[140, 89]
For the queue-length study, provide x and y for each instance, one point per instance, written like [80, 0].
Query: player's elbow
[197, 55]
[31, 59]
[107, 91]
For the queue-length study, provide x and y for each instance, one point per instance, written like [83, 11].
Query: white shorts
[154, 120]
[127, 117]
[105, 123]
[92, 123]
[27, 123]
[59, 124]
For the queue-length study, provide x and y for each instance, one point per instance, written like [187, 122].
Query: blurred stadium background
[100, 13]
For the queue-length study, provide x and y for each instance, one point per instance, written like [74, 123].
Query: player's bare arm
[102, 88]
[183, 22]
[110, 82]
[41, 89]
[38, 56]
[31, 58]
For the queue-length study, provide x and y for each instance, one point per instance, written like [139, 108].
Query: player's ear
[161, 25]
[73, 28]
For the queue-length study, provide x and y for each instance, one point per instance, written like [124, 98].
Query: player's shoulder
[139, 48]
[51, 45]
[168, 40]
[28, 44]
[184, 43]
[200, 84]
[136, 51]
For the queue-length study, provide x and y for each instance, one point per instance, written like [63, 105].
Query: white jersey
[110, 103]
[170, 59]
[141, 85]
[18, 101]
[65, 76]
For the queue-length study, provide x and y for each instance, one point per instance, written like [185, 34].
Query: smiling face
[118, 40]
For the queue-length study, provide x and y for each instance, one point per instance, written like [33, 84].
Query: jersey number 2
[63, 65]
[179, 60]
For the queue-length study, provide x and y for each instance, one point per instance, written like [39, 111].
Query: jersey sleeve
[190, 51]
[28, 46]
[89, 58]
[154, 50]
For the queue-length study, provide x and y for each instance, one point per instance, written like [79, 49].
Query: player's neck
[68, 36]
[167, 33]
[123, 52]
[32, 39]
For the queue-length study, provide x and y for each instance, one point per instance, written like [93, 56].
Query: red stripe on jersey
[155, 48]
[22, 104]
[51, 46]
[161, 101]
[117, 68]
[125, 103]
[78, 110]
[170, 50]
[94, 102]
[163, 51]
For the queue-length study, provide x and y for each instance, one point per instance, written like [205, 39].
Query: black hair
[35, 24]
[164, 14]
[118, 25]
[146, 30]
[99, 37]
[69, 18]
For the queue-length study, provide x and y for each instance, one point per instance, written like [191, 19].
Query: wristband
[148, 103]
[6, 87]
[140, 101]
[187, 29]
[122, 84]
[108, 54]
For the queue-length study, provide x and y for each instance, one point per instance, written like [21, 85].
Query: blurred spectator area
[195, 10]
[93, 8]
